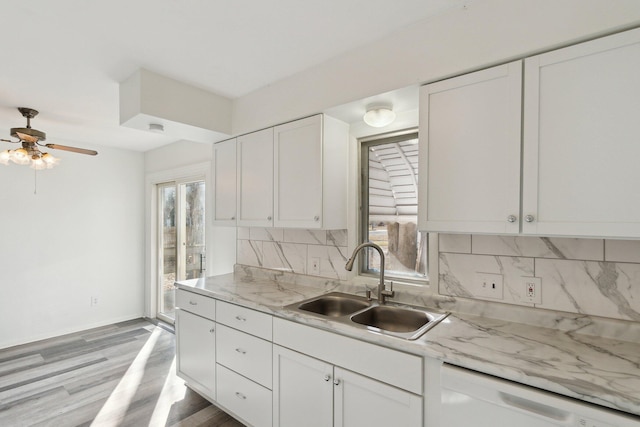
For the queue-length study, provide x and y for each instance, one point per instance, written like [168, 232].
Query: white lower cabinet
[325, 379]
[309, 392]
[362, 401]
[311, 378]
[196, 352]
[302, 390]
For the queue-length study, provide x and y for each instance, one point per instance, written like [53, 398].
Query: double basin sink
[402, 322]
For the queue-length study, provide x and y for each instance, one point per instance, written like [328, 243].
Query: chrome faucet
[382, 291]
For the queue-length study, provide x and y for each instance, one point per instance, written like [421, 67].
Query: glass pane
[194, 230]
[168, 258]
[392, 212]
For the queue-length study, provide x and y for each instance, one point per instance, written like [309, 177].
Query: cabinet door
[224, 183]
[302, 390]
[297, 173]
[361, 401]
[255, 179]
[196, 352]
[470, 152]
[581, 150]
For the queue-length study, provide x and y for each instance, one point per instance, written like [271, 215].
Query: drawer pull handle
[327, 377]
[193, 303]
[241, 351]
[212, 330]
[241, 319]
[241, 396]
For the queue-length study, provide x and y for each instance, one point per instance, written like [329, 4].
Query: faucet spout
[382, 292]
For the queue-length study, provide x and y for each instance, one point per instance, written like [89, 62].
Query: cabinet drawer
[244, 398]
[196, 304]
[245, 354]
[245, 319]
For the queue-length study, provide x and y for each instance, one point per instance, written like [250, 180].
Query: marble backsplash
[595, 277]
[294, 250]
[583, 277]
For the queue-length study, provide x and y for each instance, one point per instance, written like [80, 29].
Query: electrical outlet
[531, 289]
[94, 301]
[488, 285]
[315, 266]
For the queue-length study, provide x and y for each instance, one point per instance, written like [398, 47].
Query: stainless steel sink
[398, 321]
[335, 304]
[401, 322]
[392, 319]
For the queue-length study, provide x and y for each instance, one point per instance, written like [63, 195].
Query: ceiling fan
[29, 153]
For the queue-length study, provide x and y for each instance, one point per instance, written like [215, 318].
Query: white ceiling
[66, 58]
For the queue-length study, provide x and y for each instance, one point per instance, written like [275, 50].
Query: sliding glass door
[181, 239]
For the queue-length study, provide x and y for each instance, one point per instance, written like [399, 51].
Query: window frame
[363, 209]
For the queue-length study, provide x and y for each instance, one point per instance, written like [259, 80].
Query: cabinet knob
[327, 377]
[512, 218]
[241, 351]
[241, 396]
[336, 382]
[529, 218]
[269, 218]
[212, 330]
[316, 218]
[233, 217]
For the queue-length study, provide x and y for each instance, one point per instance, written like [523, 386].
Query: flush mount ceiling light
[29, 153]
[379, 116]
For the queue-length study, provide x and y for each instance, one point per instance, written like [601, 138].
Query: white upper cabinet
[582, 139]
[293, 175]
[470, 129]
[580, 151]
[224, 182]
[255, 179]
[310, 173]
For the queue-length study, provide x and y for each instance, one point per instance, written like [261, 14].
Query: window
[389, 172]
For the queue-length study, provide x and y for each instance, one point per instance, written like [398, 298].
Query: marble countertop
[603, 371]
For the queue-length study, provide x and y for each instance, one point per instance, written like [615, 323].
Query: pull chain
[35, 181]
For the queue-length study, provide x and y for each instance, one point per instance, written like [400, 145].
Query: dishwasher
[473, 399]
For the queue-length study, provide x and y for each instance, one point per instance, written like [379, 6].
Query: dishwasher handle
[556, 414]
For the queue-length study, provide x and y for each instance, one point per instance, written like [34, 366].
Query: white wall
[80, 236]
[487, 32]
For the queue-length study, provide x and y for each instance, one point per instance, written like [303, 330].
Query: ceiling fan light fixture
[50, 160]
[5, 156]
[29, 153]
[378, 116]
[38, 164]
[20, 156]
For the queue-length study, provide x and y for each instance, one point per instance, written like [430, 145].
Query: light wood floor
[117, 375]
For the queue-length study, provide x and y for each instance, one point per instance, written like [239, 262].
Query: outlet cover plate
[488, 285]
[531, 288]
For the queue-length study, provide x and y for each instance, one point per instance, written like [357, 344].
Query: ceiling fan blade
[72, 149]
